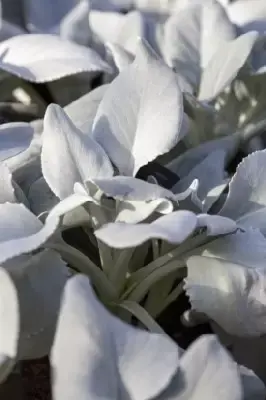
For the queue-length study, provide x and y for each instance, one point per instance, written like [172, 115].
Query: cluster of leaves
[117, 199]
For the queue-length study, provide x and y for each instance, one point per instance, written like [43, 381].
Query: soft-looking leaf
[206, 372]
[21, 232]
[140, 116]
[40, 280]
[40, 197]
[75, 25]
[137, 211]
[128, 188]
[174, 228]
[15, 137]
[224, 65]
[192, 36]
[246, 248]
[247, 12]
[10, 321]
[122, 58]
[216, 225]
[183, 164]
[210, 172]
[230, 294]
[246, 200]
[106, 25]
[80, 157]
[45, 58]
[105, 357]
[7, 192]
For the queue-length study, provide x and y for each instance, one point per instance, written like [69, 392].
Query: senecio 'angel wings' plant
[100, 170]
[95, 356]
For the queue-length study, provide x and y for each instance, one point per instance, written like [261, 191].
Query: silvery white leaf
[243, 12]
[10, 321]
[246, 200]
[122, 58]
[216, 225]
[40, 17]
[40, 280]
[40, 197]
[7, 192]
[183, 164]
[44, 58]
[137, 24]
[20, 150]
[225, 65]
[75, 25]
[193, 35]
[140, 116]
[210, 172]
[173, 228]
[69, 204]
[214, 195]
[80, 156]
[134, 212]
[129, 188]
[21, 232]
[106, 25]
[15, 137]
[108, 358]
[246, 248]
[230, 294]
[206, 372]
[83, 110]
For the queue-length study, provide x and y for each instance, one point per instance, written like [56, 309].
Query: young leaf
[246, 200]
[225, 65]
[140, 116]
[193, 35]
[174, 228]
[80, 156]
[21, 232]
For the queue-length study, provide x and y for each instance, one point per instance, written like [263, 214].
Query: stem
[118, 274]
[142, 315]
[98, 220]
[83, 264]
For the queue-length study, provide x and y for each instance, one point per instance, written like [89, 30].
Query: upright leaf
[141, 113]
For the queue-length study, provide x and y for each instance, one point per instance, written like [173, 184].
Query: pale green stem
[98, 219]
[159, 292]
[142, 315]
[118, 274]
[139, 291]
[83, 264]
[155, 249]
[162, 267]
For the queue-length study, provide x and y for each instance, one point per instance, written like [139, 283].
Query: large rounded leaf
[45, 58]
[105, 357]
[140, 116]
